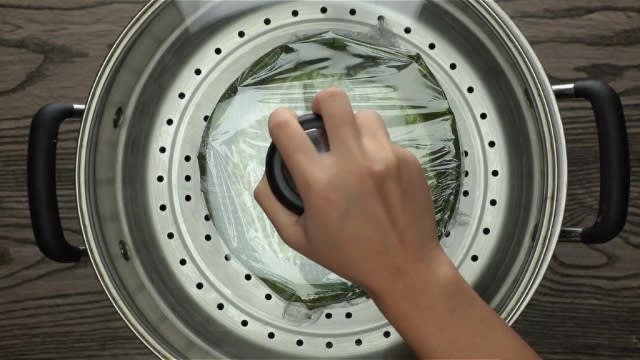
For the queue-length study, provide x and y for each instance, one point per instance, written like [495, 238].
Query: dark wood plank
[588, 305]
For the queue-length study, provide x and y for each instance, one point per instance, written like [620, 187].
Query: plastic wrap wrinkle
[394, 82]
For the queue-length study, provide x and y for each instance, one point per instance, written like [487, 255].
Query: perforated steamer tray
[154, 244]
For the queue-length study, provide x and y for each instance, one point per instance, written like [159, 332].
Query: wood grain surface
[587, 307]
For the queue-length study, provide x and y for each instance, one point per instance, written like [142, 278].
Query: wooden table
[587, 307]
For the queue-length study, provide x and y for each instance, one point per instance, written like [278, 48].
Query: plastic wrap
[395, 82]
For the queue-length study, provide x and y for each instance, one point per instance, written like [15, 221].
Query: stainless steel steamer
[158, 256]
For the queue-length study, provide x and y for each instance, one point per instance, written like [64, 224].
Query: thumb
[287, 224]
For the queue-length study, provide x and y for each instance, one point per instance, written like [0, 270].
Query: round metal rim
[83, 156]
[509, 34]
[545, 249]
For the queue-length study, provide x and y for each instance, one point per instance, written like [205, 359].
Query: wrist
[439, 315]
[422, 278]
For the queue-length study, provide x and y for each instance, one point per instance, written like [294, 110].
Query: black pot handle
[41, 178]
[614, 157]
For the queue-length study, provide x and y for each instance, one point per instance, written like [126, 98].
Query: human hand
[368, 217]
[368, 214]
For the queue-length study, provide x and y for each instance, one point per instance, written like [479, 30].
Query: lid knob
[278, 176]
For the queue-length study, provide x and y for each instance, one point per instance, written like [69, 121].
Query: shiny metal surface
[80, 108]
[181, 292]
[564, 91]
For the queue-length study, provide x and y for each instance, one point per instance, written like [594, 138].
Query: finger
[375, 139]
[370, 124]
[408, 162]
[292, 142]
[414, 181]
[287, 224]
[335, 108]
[413, 173]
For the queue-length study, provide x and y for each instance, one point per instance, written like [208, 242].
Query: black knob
[278, 176]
